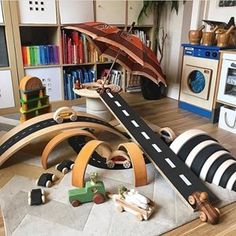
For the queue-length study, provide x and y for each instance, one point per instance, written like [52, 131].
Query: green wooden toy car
[93, 191]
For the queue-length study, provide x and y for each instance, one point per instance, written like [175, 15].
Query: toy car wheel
[48, 184]
[110, 164]
[120, 208]
[59, 120]
[203, 196]
[191, 200]
[98, 198]
[127, 164]
[139, 217]
[43, 199]
[75, 203]
[202, 216]
[65, 170]
[54, 177]
[73, 117]
[71, 166]
[108, 90]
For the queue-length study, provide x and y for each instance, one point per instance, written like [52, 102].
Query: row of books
[72, 77]
[134, 84]
[143, 37]
[76, 48]
[115, 77]
[40, 55]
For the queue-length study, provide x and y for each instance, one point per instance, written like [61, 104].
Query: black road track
[45, 124]
[163, 158]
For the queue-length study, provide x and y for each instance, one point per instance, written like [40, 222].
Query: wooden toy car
[206, 211]
[36, 197]
[167, 135]
[134, 202]
[118, 157]
[65, 166]
[94, 190]
[64, 113]
[46, 180]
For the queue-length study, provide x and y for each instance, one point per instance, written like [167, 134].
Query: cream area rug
[57, 217]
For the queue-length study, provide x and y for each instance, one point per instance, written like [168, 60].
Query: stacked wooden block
[34, 100]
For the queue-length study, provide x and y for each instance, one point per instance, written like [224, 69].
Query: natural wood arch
[134, 152]
[46, 131]
[60, 138]
[138, 163]
[82, 160]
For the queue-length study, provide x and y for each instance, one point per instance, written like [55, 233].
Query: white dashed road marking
[110, 95]
[125, 112]
[145, 135]
[117, 103]
[171, 164]
[135, 123]
[186, 181]
[156, 147]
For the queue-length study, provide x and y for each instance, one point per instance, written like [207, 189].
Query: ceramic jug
[195, 35]
[209, 38]
[223, 37]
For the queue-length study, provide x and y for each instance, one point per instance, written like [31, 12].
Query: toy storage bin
[227, 119]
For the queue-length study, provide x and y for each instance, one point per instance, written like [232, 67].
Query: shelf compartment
[4, 62]
[37, 11]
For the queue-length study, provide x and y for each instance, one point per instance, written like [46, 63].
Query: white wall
[177, 27]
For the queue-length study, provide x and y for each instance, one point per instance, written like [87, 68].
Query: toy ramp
[30, 130]
[183, 180]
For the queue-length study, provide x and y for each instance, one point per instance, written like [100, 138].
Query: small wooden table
[94, 104]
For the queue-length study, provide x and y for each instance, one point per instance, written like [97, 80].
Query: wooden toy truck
[93, 191]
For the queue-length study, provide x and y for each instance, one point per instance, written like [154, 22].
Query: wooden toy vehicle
[206, 211]
[64, 113]
[118, 157]
[46, 180]
[36, 197]
[167, 135]
[135, 203]
[94, 190]
[65, 166]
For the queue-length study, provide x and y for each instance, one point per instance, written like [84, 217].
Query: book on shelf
[40, 55]
[115, 76]
[77, 48]
[134, 84]
[142, 36]
[73, 76]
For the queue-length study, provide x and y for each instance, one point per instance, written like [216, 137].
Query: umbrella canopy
[133, 54]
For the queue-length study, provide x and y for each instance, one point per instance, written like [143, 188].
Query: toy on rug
[36, 197]
[34, 100]
[134, 202]
[46, 180]
[118, 157]
[167, 135]
[65, 166]
[94, 190]
[207, 213]
[64, 113]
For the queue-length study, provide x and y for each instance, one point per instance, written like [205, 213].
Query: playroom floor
[164, 112]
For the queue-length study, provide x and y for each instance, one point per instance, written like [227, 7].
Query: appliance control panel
[208, 53]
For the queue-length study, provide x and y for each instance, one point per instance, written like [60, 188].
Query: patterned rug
[58, 217]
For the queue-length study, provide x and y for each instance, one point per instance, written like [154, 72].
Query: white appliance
[227, 85]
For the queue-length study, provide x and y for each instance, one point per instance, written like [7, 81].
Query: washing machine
[198, 79]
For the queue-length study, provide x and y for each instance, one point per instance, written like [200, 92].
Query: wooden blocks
[34, 100]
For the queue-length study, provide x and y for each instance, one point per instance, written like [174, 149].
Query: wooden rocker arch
[134, 152]
[60, 138]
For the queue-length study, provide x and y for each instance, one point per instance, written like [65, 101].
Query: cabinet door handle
[233, 64]
[227, 122]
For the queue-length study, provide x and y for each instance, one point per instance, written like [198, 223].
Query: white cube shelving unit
[6, 90]
[37, 11]
[51, 78]
[80, 11]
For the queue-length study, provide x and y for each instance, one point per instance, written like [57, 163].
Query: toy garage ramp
[36, 127]
[183, 180]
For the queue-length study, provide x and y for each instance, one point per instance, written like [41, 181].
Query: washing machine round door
[196, 81]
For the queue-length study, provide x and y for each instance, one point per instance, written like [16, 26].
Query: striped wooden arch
[60, 138]
[134, 152]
